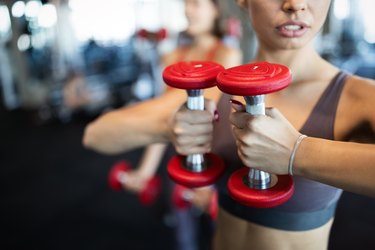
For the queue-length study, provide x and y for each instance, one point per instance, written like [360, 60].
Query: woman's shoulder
[360, 93]
[173, 56]
[360, 88]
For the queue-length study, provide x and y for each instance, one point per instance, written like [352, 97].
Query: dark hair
[217, 29]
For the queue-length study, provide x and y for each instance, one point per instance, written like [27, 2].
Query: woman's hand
[192, 129]
[264, 142]
[202, 197]
[135, 182]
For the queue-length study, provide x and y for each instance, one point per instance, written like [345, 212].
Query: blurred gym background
[64, 62]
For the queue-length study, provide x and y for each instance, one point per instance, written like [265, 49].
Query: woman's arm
[266, 143]
[137, 178]
[151, 159]
[135, 126]
[139, 125]
[347, 165]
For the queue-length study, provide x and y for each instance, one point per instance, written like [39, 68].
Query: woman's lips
[292, 29]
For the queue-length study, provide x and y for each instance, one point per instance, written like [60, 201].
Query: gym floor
[54, 195]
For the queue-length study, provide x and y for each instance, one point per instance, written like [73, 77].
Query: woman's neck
[204, 41]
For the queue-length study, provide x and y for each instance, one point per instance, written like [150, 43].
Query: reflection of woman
[324, 103]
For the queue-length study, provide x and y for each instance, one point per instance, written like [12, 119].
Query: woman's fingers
[192, 129]
[184, 128]
[264, 142]
[188, 145]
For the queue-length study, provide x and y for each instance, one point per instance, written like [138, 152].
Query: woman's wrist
[144, 174]
[297, 143]
[303, 156]
[148, 168]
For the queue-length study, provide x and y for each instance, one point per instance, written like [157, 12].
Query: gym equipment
[195, 170]
[117, 176]
[252, 81]
[156, 36]
[181, 197]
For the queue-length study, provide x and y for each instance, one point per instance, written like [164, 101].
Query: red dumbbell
[156, 36]
[254, 187]
[182, 196]
[117, 176]
[194, 170]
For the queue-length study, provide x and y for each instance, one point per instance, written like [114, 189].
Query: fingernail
[238, 106]
[235, 102]
[216, 116]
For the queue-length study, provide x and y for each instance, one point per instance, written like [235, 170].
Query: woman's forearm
[132, 127]
[139, 125]
[151, 159]
[350, 166]
[120, 131]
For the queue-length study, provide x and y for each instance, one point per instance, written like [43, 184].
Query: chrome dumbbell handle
[195, 101]
[255, 105]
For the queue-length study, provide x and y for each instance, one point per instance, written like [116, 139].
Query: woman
[319, 95]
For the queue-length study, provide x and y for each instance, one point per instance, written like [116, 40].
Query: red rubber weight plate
[192, 75]
[213, 209]
[151, 192]
[162, 34]
[158, 36]
[114, 174]
[178, 200]
[182, 176]
[142, 33]
[254, 79]
[147, 196]
[265, 198]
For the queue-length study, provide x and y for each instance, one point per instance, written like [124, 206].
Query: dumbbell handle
[257, 179]
[255, 105]
[195, 101]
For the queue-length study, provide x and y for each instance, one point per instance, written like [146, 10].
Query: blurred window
[5, 28]
[103, 20]
[367, 13]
